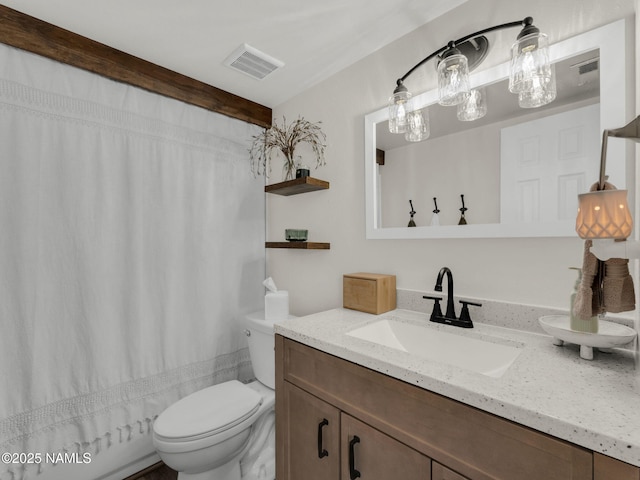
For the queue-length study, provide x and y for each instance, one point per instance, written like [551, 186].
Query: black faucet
[451, 311]
[450, 316]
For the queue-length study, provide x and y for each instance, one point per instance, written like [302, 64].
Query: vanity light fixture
[532, 77]
[418, 125]
[603, 215]
[474, 107]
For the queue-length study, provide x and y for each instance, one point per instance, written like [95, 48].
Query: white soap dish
[609, 334]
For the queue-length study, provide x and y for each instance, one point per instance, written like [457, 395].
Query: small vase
[289, 169]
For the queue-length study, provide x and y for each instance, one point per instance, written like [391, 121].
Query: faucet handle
[437, 312]
[464, 314]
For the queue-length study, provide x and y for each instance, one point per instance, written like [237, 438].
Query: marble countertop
[595, 404]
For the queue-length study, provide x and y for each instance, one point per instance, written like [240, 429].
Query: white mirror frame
[611, 42]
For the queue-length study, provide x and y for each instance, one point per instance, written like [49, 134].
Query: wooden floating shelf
[299, 245]
[298, 185]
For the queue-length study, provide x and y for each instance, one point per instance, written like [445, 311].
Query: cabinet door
[311, 436]
[474, 443]
[440, 472]
[369, 454]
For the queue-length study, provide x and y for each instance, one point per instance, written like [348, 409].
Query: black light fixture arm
[527, 25]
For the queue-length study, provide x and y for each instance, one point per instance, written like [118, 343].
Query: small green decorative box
[296, 235]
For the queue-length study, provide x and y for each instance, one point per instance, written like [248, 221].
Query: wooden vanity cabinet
[312, 429]
[404, 431]
[607, 468]
[323, 443]
[440, 472]
[371, 455]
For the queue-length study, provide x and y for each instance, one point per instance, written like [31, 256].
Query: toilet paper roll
[276, 305]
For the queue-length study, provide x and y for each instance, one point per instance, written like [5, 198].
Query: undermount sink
[481, 356]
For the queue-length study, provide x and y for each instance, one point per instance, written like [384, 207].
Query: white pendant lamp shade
[399, 108]
[604, 214]
[453, 79]
[474, 107]
[418, 126]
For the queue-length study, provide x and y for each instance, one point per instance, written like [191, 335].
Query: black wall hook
[463, 221]
[412, 223]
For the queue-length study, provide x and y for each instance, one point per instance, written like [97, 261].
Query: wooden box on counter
[369, 292]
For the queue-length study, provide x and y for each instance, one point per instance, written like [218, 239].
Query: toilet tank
[260, 337]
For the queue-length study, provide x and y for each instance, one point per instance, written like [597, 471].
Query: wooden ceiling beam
[31, 34]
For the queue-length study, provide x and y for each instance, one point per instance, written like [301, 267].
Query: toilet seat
[207, 412]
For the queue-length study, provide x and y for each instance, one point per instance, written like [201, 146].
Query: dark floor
[159, 471]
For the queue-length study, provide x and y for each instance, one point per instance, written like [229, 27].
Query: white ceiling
[314, 39]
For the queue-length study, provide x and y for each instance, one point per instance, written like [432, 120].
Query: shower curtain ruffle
[131, 247]
[141, 401]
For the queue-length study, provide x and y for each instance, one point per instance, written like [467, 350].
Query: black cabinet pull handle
[353, 473]
[321, 451]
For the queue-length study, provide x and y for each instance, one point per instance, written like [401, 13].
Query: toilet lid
[208, 411]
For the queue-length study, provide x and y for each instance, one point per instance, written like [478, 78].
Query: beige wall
[445, 169]
[530, 271]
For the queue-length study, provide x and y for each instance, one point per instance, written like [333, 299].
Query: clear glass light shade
[542, 91]
[474, 107]
[400, 105]
[418, 126]
[530, 67]
[453, 80]
[604, 214]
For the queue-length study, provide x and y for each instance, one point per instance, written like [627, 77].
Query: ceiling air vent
[252, 62]
[587, 71]
[587, 67]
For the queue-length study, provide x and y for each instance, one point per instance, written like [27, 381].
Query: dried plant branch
[283, 140]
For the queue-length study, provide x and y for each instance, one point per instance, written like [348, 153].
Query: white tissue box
[276, 306]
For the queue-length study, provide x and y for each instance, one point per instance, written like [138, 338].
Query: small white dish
[609, 334]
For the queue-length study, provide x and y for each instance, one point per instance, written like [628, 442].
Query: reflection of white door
[546, 163]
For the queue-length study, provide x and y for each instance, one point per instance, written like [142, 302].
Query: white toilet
[205, 435]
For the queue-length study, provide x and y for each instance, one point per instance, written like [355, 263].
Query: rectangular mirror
[520, 170]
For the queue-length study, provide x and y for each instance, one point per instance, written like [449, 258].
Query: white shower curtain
[131, 245]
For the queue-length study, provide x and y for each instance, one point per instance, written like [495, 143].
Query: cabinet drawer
[474, 443]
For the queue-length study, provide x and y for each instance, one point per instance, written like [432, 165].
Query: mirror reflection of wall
[465, 157]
